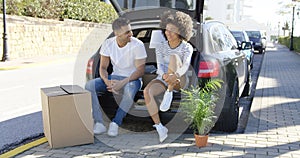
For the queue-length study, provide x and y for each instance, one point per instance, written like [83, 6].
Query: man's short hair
[118, 23]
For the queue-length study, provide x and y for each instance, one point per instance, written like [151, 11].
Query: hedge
[286, 41]
[84, 10]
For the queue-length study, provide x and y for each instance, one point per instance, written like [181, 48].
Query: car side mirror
[246, 45]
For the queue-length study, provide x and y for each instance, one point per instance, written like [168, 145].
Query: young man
[127, 55]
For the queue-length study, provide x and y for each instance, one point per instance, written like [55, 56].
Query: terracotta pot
[201, 140]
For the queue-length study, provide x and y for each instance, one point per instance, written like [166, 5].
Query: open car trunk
[145, 35]
[128, 8]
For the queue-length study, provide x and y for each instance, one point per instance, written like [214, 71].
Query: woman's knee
[176, 60]
[146, 92]
[174, 57]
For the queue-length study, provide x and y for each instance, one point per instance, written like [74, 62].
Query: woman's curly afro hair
[181, 20]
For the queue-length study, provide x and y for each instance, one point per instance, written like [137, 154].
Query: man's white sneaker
[99, 128]
[162, 131]
[166, 102]
[113, 129]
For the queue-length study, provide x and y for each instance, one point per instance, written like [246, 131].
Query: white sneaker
[162, 131]
[99, 128]
[113, 129]
[166, 102]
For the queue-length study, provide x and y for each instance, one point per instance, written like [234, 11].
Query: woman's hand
[171, 79]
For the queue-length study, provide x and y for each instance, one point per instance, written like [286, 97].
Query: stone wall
[31, 37]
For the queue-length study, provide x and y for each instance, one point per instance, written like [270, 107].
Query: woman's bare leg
[175, 63]
[154, 88]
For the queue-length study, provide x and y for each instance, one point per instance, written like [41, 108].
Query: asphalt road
[245, 102]
[20, 101]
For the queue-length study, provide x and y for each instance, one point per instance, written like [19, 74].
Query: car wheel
[228, 120]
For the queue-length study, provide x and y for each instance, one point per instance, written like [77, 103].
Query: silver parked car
[241, 36]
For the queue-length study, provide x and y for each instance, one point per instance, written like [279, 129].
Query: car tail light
[89, 68]
[208, 69]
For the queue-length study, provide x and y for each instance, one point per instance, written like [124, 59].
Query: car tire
[228, 120]
[247, 88]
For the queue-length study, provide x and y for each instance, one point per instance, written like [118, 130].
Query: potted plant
[198, 106]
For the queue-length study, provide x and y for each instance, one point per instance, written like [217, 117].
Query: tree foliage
[84, 10]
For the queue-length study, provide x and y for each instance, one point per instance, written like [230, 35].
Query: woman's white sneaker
[162, 131]
[166, 102]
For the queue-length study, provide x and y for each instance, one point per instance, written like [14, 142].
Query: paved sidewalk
[33, 61]
[273, 128]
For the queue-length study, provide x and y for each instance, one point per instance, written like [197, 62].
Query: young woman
[173, 59]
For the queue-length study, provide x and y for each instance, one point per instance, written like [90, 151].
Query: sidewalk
[273, 128]
[29, 62]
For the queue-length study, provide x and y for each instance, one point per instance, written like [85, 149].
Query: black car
[216, 55]
[258, 40]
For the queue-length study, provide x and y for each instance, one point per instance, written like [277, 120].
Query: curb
[23, 148]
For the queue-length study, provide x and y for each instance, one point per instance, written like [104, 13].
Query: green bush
[84, 10]
[89, 10]
[286, 41]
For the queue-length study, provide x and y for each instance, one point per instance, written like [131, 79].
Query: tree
[208, 18]
[285, 27]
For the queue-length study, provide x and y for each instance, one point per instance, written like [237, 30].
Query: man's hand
[109, 85]
[116, 85]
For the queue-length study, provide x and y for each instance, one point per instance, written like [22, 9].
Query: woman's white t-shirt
[123, 59]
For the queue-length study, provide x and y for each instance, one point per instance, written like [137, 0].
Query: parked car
[216, 55]
[241, 36]
[258, 40]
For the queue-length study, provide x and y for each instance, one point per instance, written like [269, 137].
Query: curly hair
[181, 20]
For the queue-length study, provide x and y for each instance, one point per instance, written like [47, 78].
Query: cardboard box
[67, 116]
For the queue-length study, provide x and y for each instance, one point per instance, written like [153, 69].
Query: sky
[265, 11]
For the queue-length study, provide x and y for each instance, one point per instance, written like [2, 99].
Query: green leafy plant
[198, 106]
[83, 10]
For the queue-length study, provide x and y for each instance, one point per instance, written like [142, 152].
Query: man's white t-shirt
[123, 59]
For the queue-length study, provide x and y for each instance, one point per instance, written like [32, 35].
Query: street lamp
[5, 54]
[292, 33]
[278, 30]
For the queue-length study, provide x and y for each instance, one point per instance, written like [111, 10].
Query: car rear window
[253, 34]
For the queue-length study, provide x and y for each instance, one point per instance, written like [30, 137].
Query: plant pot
[201, 140]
